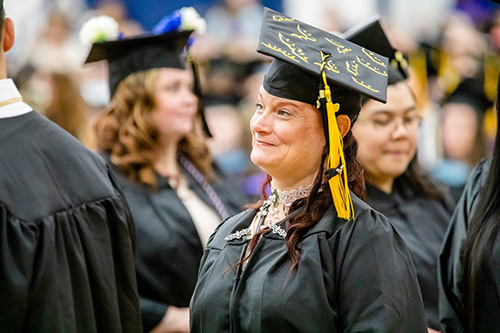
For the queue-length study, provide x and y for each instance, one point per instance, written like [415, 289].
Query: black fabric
[287, 81]
[169, 249]
[352, 276]
[450, 266]
[422, 224]
[371, 34]
[66, 235]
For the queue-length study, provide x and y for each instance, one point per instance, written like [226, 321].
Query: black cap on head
[298, 48]
[370, 34]
[471, 92]
[130, 55]
[288, 81]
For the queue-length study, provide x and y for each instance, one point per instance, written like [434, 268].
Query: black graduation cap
[307, 62]
[470, 91]
[130, 55]
[295, 43]
[370, 34]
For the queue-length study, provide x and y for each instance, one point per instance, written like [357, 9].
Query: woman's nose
[260, 122]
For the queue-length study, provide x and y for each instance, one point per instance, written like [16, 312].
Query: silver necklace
[286, 198]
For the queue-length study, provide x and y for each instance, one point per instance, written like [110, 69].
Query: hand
[430, 330]
[175, 320]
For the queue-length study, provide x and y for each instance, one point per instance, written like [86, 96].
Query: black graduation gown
[66, 236]
[422, 223]
[450, 267]
[169, 249]
[352, 276]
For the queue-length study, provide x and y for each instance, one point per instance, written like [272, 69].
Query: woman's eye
[172, 88]
[381, 122]
[259, 107]
[283, 113]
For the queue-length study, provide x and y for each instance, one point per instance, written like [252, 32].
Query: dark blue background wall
[150, 12]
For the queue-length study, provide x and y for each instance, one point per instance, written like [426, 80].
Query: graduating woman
[152, 135]
[470, 256]
[312, 257]
[396, 186]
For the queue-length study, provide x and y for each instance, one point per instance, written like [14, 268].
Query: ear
[344, 124]
[8, 34]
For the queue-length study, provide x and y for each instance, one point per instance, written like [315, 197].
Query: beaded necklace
[277, 197]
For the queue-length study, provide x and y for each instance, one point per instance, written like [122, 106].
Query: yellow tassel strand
[338, 183]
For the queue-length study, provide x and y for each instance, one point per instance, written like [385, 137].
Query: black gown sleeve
[378, 269]
[449, 264]
[77, 261]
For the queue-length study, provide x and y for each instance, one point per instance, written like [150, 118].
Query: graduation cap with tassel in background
[307, 61]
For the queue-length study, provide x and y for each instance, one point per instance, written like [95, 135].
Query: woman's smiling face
[287, 138]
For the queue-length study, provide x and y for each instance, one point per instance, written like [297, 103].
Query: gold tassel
[338, 183]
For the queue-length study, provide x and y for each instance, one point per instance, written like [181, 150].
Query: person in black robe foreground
[152, 137]
[66, 235]
[469, 261]
[297, 262]
[397, 187]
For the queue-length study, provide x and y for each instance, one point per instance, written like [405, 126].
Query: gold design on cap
[280, 18]
[303, 34]
[373, 57]
[372, 68]
[296, 51]
[340, 48]
[367, 86]
[352, 67]
[329, 65]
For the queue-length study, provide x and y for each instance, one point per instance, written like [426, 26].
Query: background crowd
[451, 46]
[450, 52]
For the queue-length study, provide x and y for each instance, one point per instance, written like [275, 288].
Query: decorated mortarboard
[371, 34]
[304, 46]
[165, 47]
[307, 61]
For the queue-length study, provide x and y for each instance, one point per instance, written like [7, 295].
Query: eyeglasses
[410, 123]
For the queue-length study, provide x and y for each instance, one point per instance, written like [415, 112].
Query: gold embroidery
[330, 65]
[372, 68]
[373, 57]
[278, 49]
[281, 18]
[340, 48]
[304, 34]
[296, 52]
[367, 86]
[352, 67]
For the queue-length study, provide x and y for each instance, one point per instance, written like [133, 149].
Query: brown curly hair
[127, 131]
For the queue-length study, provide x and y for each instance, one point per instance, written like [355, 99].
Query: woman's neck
[383, 183]
[292, 184]
[166, 164]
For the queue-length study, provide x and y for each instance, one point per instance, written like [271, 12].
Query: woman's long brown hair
[127, 131]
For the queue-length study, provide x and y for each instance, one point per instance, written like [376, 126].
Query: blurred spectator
[117, 10]
[57, 49]
[462, 133]
[233, 30]
[67, 107]
[226, 126]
